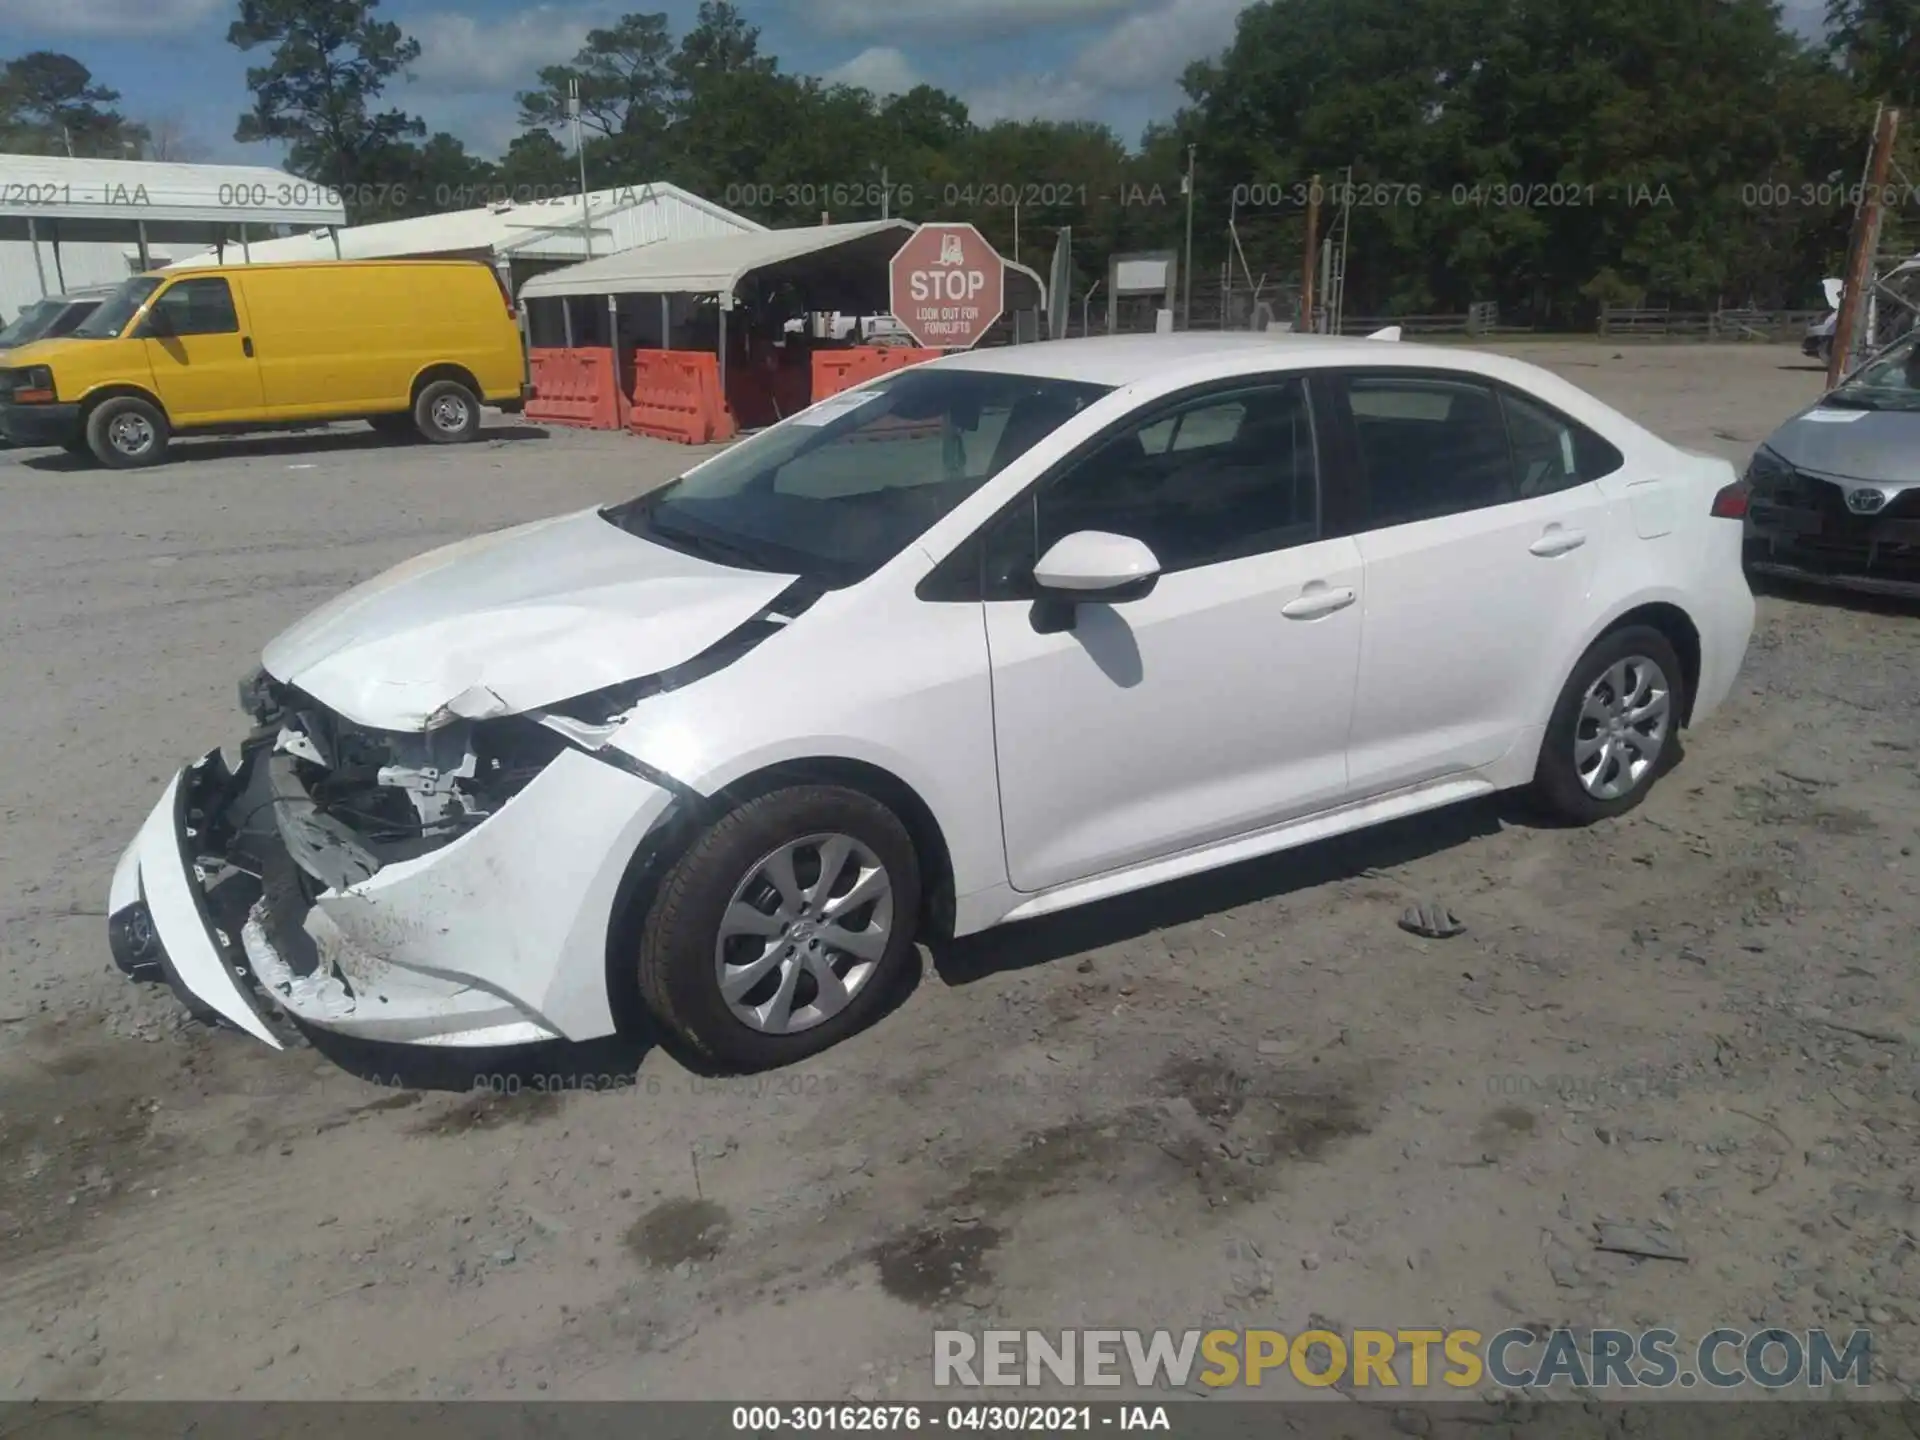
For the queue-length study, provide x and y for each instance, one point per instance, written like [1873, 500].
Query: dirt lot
[1245, 1100]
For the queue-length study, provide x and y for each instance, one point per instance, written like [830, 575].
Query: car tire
[447, 412]
[1615, 729]
[694, 930]
[126, 433]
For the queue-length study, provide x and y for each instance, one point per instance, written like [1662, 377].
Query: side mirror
[158, 324]
[1091, 567]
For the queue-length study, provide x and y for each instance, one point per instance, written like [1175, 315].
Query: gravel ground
[1248, 1099]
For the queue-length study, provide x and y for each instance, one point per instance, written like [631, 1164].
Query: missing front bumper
[498, 938]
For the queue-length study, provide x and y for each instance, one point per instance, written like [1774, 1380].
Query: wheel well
[1678, 627]
[686, 821]
[93, 402]
[457, 373]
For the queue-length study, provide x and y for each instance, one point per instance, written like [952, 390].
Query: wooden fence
[1717, 326]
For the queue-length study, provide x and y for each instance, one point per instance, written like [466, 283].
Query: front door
[1214, 706]
[200, 354]
[1480, 535]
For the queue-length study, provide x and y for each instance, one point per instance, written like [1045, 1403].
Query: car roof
[1118, 360]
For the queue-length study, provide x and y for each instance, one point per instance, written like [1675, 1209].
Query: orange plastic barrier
[676, 396]
[575, 387]
[837, 370]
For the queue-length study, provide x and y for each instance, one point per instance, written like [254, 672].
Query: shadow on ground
[1178, 902]
[332, 440]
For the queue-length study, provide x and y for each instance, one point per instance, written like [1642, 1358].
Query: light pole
[580, 149]
[1186, 282]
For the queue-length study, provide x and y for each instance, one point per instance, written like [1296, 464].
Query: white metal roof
[53, 186]
[716, 266]
[544, 226]
[699, 267]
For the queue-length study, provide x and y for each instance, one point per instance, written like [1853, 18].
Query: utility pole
[1186, 269]
[580, 149]
[1313, 257]
[885, 193]
[1863, 249]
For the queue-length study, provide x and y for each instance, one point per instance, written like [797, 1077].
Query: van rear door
[201, 353]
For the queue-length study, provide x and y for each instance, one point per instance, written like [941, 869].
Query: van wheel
[126, 433]
[447, 412]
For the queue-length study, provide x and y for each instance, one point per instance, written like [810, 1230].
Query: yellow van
[406, 344]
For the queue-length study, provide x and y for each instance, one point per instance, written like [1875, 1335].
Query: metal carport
[821, 268]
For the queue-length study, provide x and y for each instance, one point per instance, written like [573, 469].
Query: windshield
[30, 324]
[838, 490]
[117, 309]
[1889, 381]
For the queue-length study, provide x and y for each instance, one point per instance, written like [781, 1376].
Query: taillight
[1731, 503]
[506, 295]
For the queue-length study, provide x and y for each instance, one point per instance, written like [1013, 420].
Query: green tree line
[1548, 155]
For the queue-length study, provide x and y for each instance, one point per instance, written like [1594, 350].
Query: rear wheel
[1616, 728]
[780, 931]
[127, 432]
[447, 412]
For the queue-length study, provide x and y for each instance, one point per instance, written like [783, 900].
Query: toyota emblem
[1866, 502]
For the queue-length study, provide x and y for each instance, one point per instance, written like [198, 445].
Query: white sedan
[988, 638]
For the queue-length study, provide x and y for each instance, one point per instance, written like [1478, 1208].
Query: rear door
[1480, 540]
[201, 353]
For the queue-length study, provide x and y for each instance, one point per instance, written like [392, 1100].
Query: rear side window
[1429, 446]
[1551, 452]
[199, 307]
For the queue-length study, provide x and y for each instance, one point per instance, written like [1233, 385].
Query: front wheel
[1615, 729]
[780, 931]
[127, 432]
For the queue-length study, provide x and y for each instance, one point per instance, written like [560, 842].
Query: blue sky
[1112, 60]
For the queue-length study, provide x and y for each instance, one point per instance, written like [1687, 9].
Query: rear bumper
[29, 425]
[498, 938]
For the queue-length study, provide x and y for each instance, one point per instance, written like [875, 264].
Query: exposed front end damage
[453, 884]
[447, 887]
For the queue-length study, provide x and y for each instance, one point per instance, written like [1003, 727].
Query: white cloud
[1141, 56]
[879, 68]
[107, 17]
[460, 55]
[974, 18]
[1152, 48]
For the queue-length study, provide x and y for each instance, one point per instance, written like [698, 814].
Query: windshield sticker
[1834, 417]
[833, 407]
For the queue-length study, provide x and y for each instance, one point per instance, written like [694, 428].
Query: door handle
[1314, 603]
[1558, 542]
[246, 345]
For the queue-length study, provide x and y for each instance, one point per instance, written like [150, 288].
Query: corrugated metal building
[518, 240]
[66, 223]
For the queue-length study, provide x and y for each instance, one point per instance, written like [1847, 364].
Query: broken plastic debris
[1431, 919]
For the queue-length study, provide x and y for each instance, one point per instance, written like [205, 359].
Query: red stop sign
[948, 286]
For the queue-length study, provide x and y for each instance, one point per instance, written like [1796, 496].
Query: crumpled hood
[534, 614]
[1882, 446]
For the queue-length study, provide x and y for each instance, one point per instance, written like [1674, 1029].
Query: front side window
[838, 490]
[118, 309]
[197, 307]
[1213, 479]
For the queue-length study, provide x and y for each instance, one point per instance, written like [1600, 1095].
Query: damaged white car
[988, 638]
